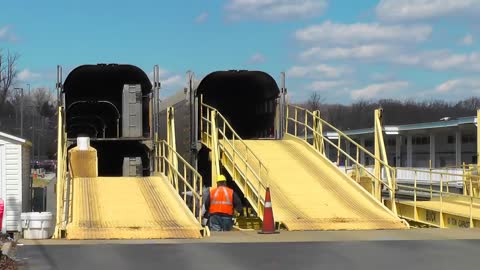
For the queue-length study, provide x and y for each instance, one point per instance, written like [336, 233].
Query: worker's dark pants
[220, 223]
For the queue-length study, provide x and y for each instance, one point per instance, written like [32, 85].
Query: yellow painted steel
[300, 118]
[61, 185]
[129, 208]
[249, 177]
[450, 212]
[443, 209]
[311, 193]
[308, 191]
[132, 207]
[86, 162]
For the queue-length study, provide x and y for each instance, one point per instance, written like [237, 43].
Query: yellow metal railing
[247, 170]
[61, 186]
[442, 195]
[436, 185]
[190, 179]
[308, 125]
[470, 177]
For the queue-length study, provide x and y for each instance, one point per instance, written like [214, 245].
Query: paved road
[437, 254]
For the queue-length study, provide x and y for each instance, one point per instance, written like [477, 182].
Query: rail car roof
[239, 80]
[95, 80]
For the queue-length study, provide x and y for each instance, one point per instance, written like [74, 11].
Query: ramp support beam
[381, 159]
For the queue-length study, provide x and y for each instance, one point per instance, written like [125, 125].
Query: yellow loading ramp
[309, 192]
[129, 208]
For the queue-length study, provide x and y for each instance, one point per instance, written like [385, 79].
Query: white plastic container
[83, 143]
[36, 225]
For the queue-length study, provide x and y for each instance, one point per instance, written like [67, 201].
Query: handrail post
[296, 124]
[415, 211]
[318, 132]
[305, 130]
[377, 168]
[215, 148]
[339, 145]
[442, 224]
[287, 118]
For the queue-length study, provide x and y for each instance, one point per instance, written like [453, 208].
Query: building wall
[445, 154]
[11, 184]
[26, 191]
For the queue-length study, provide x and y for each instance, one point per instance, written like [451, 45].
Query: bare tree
[314, 102]
[42, 100]
[8, 74]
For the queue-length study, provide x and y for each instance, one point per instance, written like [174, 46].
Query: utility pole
[21, 111]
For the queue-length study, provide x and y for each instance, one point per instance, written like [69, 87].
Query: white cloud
[467, 40]
[326, 85]
[333, 33]
[274, 10]
[173, 81]
[411, 10]
[317, 71]
[6, 34]
[378, 90]
[168, 80]
[442, 60]
[382, 76]
[27, 75]
[202, 17]
[257, 58]
[467, 85]
[437, 60]
[372, 51]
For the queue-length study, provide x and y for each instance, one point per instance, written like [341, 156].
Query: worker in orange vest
[221, 203]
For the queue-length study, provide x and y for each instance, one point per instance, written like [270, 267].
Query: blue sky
[344, 50]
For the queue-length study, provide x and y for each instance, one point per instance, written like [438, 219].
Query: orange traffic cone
[268, 226]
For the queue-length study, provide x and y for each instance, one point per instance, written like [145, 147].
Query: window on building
[368, 143]
[421, 140]
[468, 138]
[450, 139]
[391, 141]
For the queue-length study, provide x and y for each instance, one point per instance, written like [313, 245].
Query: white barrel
[83, 143]
[36, 225]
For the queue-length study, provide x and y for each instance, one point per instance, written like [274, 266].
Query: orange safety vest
[221, 201]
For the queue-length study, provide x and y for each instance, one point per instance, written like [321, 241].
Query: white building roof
[395, 129]
[14, 138]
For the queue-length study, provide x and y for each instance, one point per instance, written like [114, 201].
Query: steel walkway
[446, 212]
[311, 193]
[129, 208]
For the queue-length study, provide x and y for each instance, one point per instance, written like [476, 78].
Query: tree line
[395, 112]
[36, 107]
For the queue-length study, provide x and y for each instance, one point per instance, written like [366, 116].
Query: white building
[444, 143]
[14, 180]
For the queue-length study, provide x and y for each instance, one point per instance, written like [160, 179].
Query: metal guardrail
[311, 123]
[190, 179]
[246, 168]
[305, 125]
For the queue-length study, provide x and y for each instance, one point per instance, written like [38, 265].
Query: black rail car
[93, 106]
[246, 98]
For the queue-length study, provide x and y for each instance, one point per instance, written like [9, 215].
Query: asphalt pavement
[408, 254]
